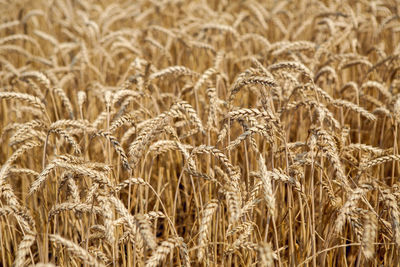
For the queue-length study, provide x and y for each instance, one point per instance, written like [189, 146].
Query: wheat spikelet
[11, 127]
[108, 219]
[396, 109]
[257, 12]
[355, 218]
[350, 85]
[192, 114]
[294, 47]
[203, 78]
[22, 171]
[30, 99]
[191, 166]
[97, 176]
[9, 24]
[291, 65]
[202, 45]
[221, 157]
[154, 215]
[359, 61]
[20, 151]
[81, 99]
[100, 119]
[26, 131]
[328, 146]
[46, 37]
[328, 70]
[92, 193]
[369, 235]
[320, 92]
[24, 219]
[246, 113]
[43, 80]
[146, 135]
[242, 81]
[279, 175]
[76, 207]
[277, 45]
[349, 206]
[7, 193]
[267, 184]
[265, 131]
[23, 249]
[25, 109]
[255, 37]
[144, 229]
[73, 190]
[173, 70]
[117, 147]
[233, 199]
[242, 238]
[218, 60]
[184, 253]
[99, 255]
[354, 107]
[221, 27]
[378, 160]
[163, 146]
[65, 101]
[29, 135]
[266, 254]
[10, 67]
[213, 108]
[321, 112]
[391, 203]
[68, 138]
[127, 118]
[207, 214]
[16, 49]
[336, 202]
[129, 181]
[367, 148]
[239, 228]
[81, 124]
[16, 37]
[76, 250]
[41, 178]
[162, 251]
[374, 84]
[121, 209]
[124, 94]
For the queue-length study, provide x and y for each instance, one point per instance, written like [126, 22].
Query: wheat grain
[76, 207]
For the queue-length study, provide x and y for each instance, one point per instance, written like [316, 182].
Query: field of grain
[203, 133]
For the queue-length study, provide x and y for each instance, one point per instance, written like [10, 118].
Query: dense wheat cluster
[203, 133]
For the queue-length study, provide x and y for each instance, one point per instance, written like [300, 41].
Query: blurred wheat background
[203, 133]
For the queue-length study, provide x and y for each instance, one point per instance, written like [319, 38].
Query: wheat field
[199, 133]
